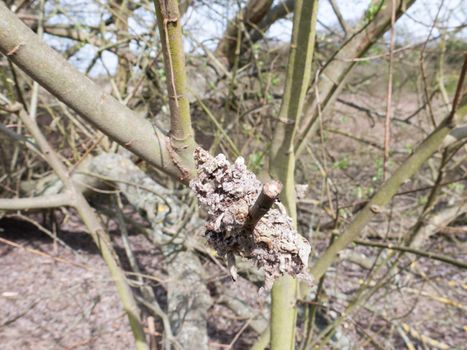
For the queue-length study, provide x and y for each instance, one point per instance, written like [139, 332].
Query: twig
[94, 225]
[151, 331]
[425, 254]
[156, 309]
[387, 122]
[345, 27]
[459, 91]
[38, 252]
[41, 228]
[43, 202]
[35, 84]
[264, 202]
[425, 188]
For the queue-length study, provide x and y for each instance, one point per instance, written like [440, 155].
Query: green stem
[381, 198]
[387, 191]
[97, 231]
[282, 161]
[181, 132]
[39, 61]
[338, 68]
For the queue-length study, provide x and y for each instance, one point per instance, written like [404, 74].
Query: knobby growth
[228, 192]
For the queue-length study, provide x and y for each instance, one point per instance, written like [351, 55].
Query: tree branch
[79, 93]
[43, 202]
[253, 12]
[335, 72]
[426, 254]
[97, 231]
[408, 168]
[345, 27]
[281, 10]
[182, 142]
[282, 158]
[264, 202]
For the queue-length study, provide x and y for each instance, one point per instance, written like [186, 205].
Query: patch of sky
[205, 22]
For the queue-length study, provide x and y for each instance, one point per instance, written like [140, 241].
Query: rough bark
[229, 191]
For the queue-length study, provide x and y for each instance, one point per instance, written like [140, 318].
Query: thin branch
[281, 10]
[247, 18]
[422, 66]
[98, 233]
[426, 254]
[425, 188]
[35, 85]
[39, 253]
[408, 168]
[345, 27]
[43, 202]
[387, 122]
[460, 97]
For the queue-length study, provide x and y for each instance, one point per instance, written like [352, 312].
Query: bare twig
[101, 238]
[387, 123]
[460, 94]
[264, 202]
[426, 254]
[38, 252]
[345, 27]
[43, 202]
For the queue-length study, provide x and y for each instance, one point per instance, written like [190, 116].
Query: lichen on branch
[228, 191]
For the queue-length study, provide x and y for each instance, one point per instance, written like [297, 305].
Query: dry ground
[72, 304]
